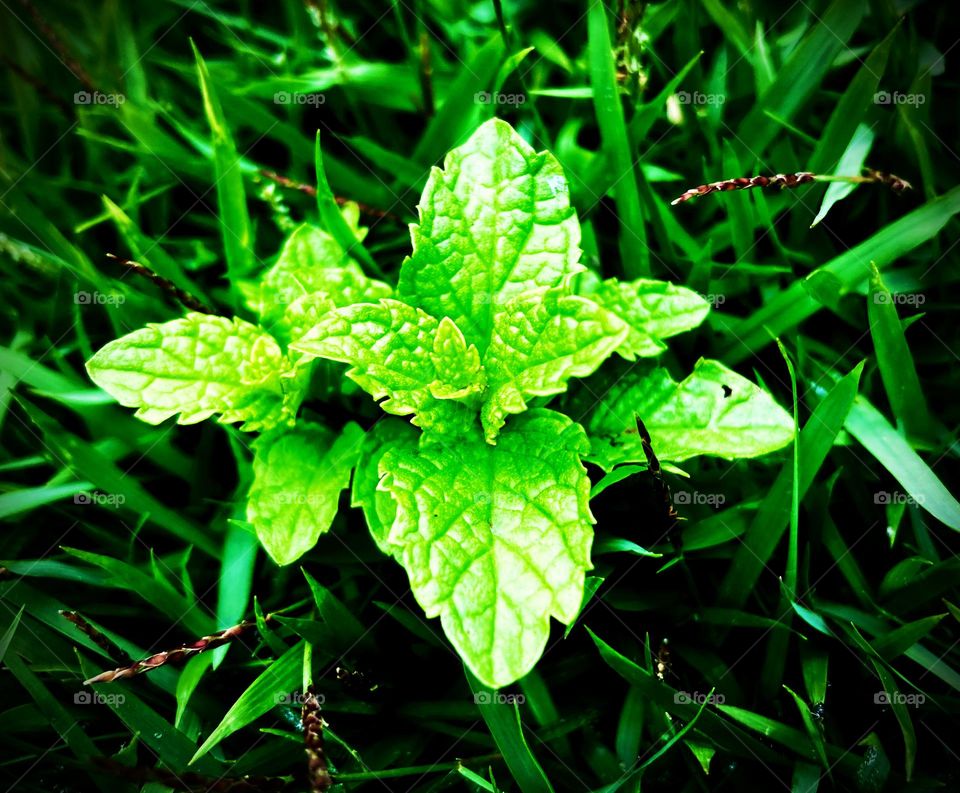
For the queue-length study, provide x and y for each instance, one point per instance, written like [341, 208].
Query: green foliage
[297, 478]
[420, 264]
[198, 367]
[495, 541]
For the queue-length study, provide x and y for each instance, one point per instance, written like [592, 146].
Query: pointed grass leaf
[850, 165]
[505, 725]
[892, 451]
[235, 225]
[272, 687]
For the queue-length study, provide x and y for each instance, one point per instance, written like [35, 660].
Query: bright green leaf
[654, 310]
[388, 345]
[379, 508]
[297, 478]
[199, 366]
[713, 411]
[311, 261]
[540, 341]
[495, 539]
[494, 223]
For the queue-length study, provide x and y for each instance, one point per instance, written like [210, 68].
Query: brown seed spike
[181, 653]
[745, 183]
[317, 770]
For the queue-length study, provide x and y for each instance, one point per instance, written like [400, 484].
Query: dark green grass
[800, 592]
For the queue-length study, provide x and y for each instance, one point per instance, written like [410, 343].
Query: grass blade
[897, 370]
[235, 227]
[792, 306]
[503, 721]
[634, 254]
[878, 437]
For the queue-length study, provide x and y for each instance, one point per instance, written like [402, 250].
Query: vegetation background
[809, 603]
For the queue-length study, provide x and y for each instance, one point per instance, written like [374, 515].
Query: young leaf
[495, 539]
[714, 411]
[457, 361]
[199, 366]
[495, 223]
[379, 508]
[654, 310]
[297, 478]
[540, 341]
[386, 343]
[311, 261]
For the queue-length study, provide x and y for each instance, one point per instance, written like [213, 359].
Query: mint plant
[482, 495]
